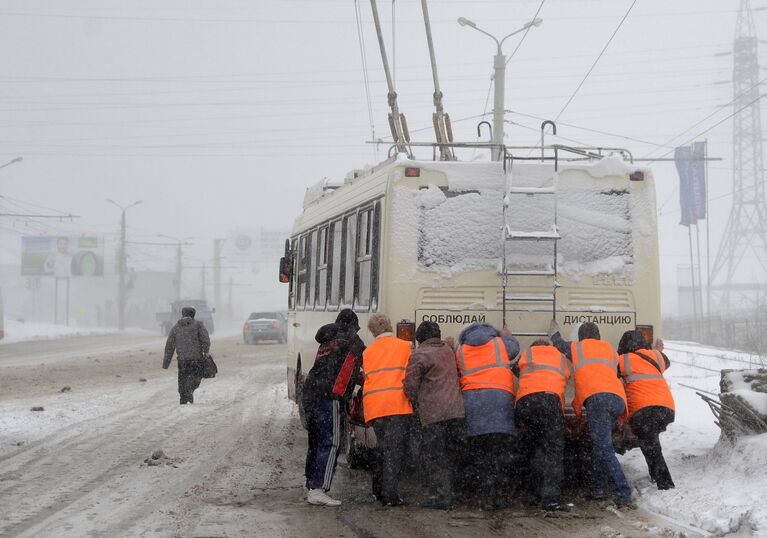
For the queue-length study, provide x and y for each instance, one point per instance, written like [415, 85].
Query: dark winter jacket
[488, 410]
[431, 382]
[336, 365]
[189, 338]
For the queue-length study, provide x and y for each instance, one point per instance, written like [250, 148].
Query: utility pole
[745, 229]
[121, 277]
[180, 242]
[217, 271]
[230, 309]
[202, 286]
[121, 266]
[179, 268]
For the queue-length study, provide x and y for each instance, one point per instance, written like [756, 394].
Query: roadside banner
[62, 256]
[690, 165]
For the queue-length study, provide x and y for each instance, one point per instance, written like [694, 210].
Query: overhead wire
[365, 76]
[527, 30]
[594, 64]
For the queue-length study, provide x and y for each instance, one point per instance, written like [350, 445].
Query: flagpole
[708, 244]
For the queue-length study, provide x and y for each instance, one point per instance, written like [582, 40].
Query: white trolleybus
[568, 234]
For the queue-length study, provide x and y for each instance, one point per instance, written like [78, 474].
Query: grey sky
[219, 114]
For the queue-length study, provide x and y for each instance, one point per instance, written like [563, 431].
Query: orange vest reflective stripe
[645, 385]
[596, 370]
[485, 367]
[543, 369]
[384, 362]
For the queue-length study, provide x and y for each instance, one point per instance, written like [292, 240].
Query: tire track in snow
[59, 473]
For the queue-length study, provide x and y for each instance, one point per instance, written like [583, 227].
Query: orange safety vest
[645, 385]
[596, 370]
[543, 369]
[384, 362]
[485, 367]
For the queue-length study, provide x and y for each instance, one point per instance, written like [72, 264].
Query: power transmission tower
[732, 284]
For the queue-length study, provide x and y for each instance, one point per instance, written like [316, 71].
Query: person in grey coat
[432, 386]
[190, 341]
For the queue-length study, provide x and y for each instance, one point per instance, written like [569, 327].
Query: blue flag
[690, 165]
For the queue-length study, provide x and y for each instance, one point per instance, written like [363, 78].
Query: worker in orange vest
[386, 406]
[484, 358]
[650, 403]
[543, 373]
[599, 393]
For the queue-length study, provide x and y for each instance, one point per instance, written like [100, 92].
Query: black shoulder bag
[209, 368]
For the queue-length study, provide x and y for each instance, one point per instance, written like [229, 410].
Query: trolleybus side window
[310, 298]
[293, 276]
[350, 228]
[303, 274]
[375, 262]
[364, 259]
[335, 260]
[322, 269]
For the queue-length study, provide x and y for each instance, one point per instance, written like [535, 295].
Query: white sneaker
[319, 497]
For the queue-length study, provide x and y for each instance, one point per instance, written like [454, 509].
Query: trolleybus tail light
[647, 332]
[406, 330]
[412, 171]
[637, 176]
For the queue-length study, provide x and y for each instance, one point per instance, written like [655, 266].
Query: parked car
[265, 326]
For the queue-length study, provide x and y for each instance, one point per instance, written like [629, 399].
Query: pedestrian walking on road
[651, 405]
[325, 398]
[190, 341]
[431, 384]
[599, 393]
[543, 373]
[386, 406]
[484, 358]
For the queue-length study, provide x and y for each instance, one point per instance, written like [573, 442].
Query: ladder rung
[533, 236]
[531, 298]
[547, 272]
[532, 190]
[550, 234]
[530, 333]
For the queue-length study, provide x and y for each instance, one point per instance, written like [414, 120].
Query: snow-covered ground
[720, 488]
[17, 331]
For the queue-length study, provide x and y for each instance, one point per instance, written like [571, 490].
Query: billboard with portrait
[62, 256]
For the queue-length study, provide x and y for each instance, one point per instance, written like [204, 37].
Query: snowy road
[235, 457]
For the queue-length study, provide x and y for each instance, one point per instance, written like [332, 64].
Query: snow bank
[720, 487]
[16, 331]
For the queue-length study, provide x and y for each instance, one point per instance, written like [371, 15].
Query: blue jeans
[602, 411]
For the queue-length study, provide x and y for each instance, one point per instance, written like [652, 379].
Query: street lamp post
[499, 80]
[122, 263]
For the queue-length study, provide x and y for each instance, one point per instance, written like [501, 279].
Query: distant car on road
[204, 313]
[265, 326]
